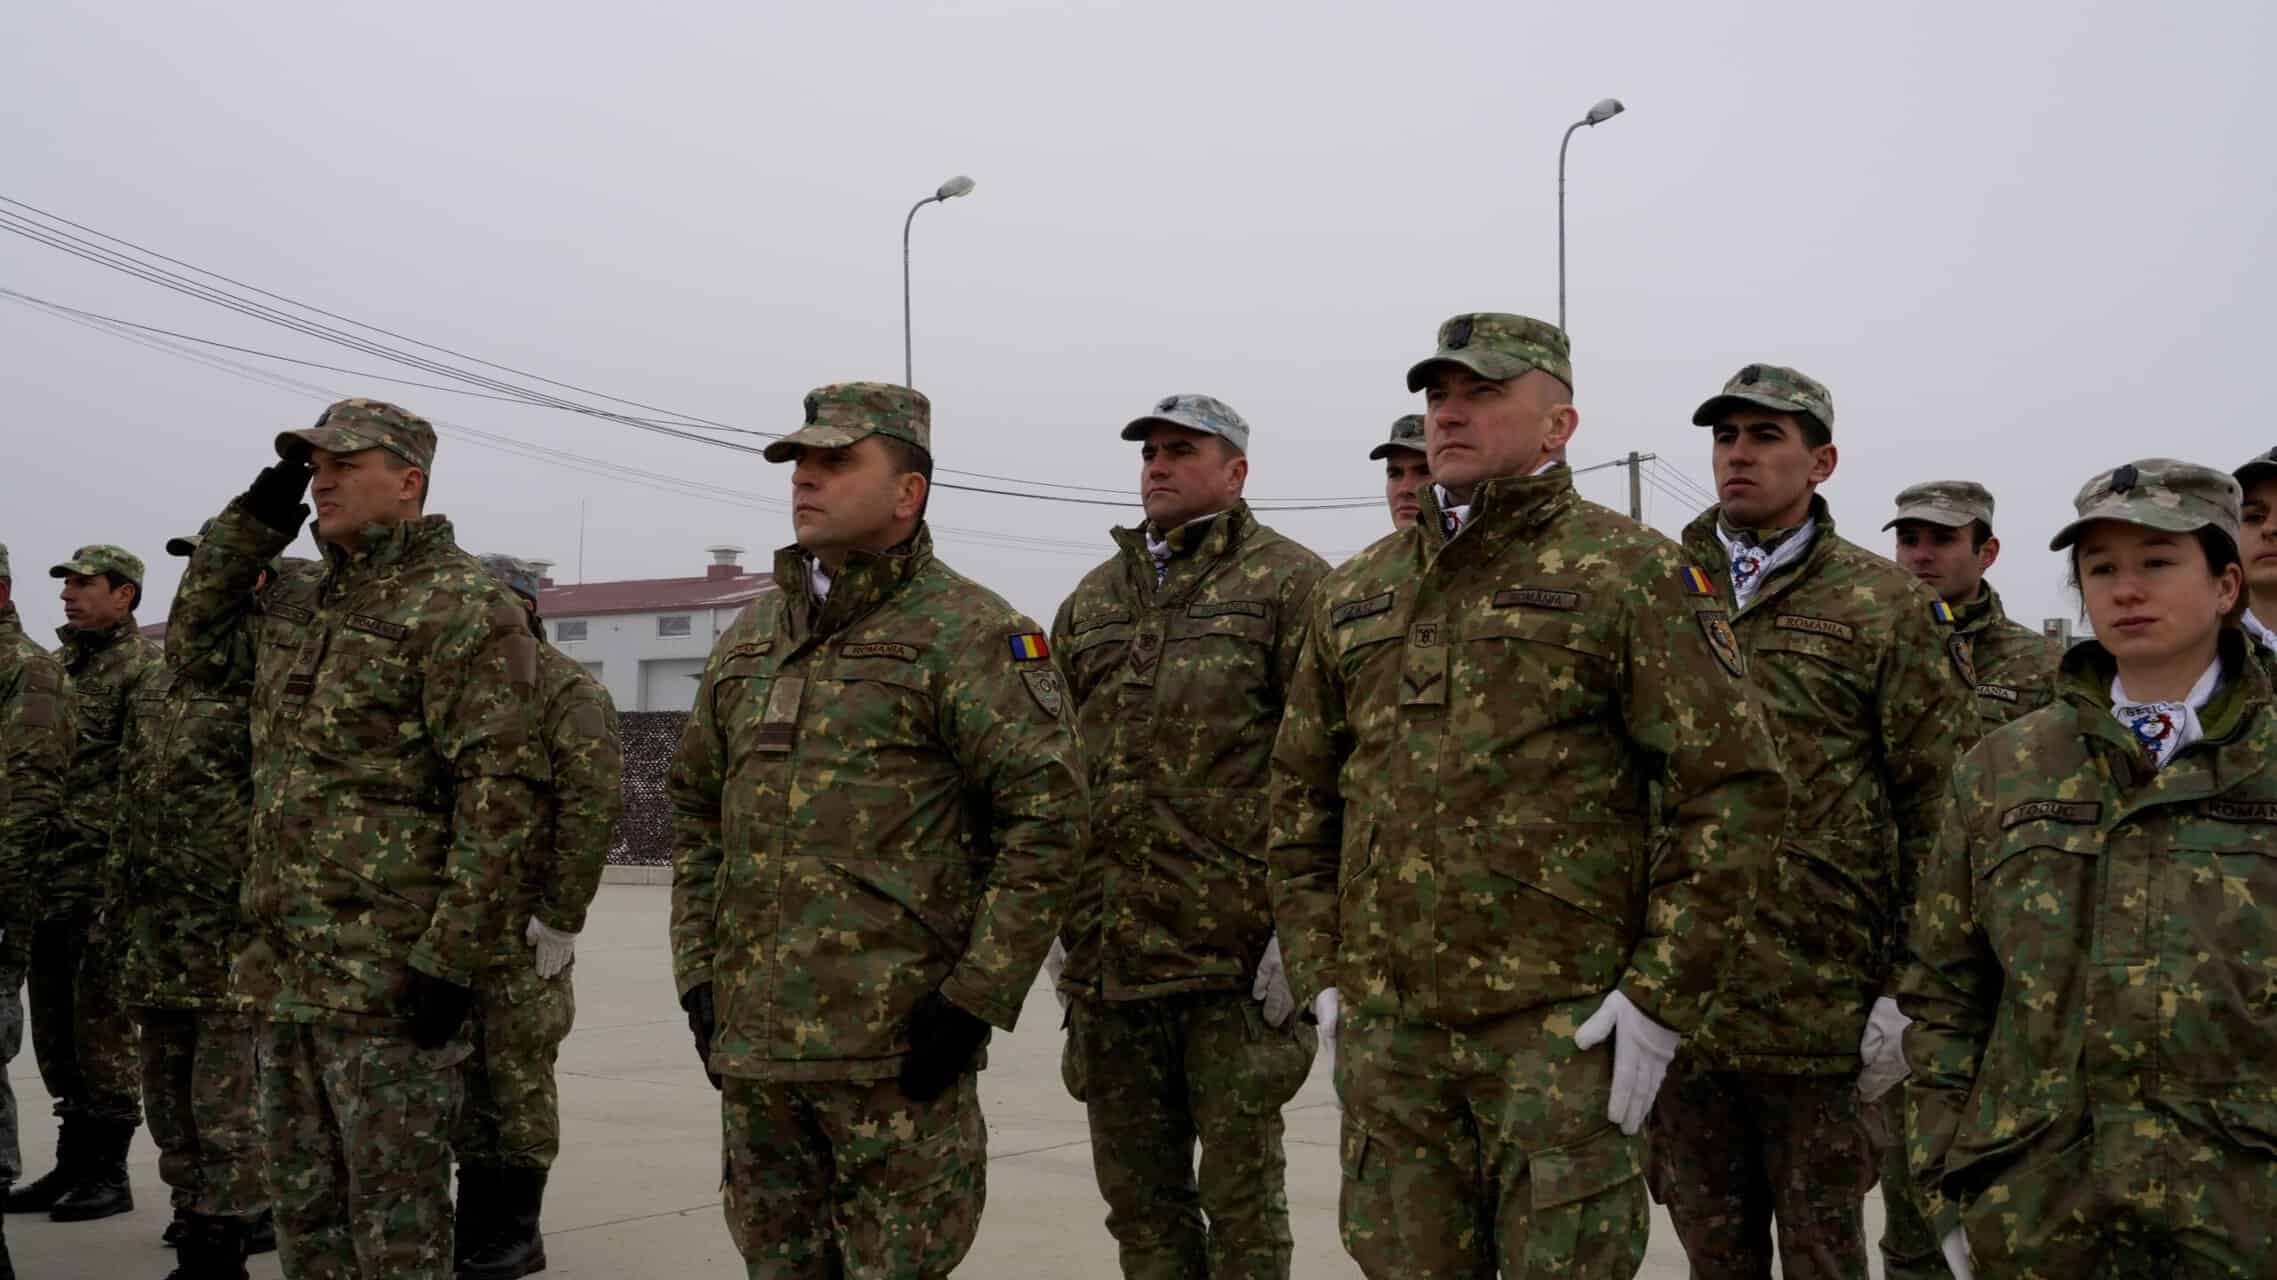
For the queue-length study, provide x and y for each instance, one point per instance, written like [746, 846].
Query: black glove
[942, 1041]
[438, 1009]
[702, 1022]
[274, 499]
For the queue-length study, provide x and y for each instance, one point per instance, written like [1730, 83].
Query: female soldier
[2094, 946]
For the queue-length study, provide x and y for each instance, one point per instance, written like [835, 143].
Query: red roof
[653, 595]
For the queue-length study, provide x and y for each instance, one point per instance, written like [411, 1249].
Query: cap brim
[1933, 515]
[2165, 521]
[83, 568]
[1715, 407]
[1387, 449]
[813, 436]
[1494, 366]
[294, 446]
[1138, 428]
[182, 546]
[2254, 472]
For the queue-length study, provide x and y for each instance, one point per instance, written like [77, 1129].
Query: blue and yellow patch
[1029, 646]
[1695, 582]
[1941, 611]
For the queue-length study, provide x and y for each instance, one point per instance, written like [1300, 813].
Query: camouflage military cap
[102, 557]
[2259, 467]
[1498, 346]
[843, 412]
[1206, 414]
[1952, 503]
[188, 544]
[517, 576]
[352, 426]
[1770, 386]
[1406, 433]
[2157, 493]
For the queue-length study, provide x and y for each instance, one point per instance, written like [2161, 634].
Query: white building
[647, 638]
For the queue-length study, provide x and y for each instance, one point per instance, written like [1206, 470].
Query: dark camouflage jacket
[397, 777]
[873, 800]
[2011, 667]
[106, 666]
[1178, 692]
[180, 851]
[1484, 736]
[577, 723]
[1847, 652]
[2093, 951]
[38, 732]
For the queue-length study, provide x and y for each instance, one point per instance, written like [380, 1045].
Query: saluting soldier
[876, 809]
[1521, 799]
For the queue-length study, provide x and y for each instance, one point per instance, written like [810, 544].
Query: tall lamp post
[1605, 110]
[950, 190]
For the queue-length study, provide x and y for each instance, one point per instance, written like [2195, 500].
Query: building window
[592, 669]
[571, 630]
[672, 624]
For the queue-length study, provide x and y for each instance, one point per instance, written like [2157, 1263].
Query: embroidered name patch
[1999, 693]
[1245, 608]
[879, 649]
[2085, 813]
[751, 649]
[289, 612]
[1816, 626]
[380, 627]
[1354, 610]
[2242, 810]
[1537, 598]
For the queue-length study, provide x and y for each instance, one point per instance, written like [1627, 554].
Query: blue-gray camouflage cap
[2156, 493]
[518, 576]
[1206, 414]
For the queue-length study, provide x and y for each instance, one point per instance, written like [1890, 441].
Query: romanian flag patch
[1694, 582]
[1941, 611]
[1030, 646]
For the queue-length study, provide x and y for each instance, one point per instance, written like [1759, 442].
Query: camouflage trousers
[11, 1044]
[1483, 1150]
[1157, 1075]
[1910, 1250]
[513, 1107]
[198, 1091]
[850, 1180]
[1734, 1152]
[82, 1031]
[359, 1154]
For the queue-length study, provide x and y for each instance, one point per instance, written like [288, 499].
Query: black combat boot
[172, 1237]
[102, 1190]
[40, 1195]
[211, 1249]
[513, 1247]
[472, 1218]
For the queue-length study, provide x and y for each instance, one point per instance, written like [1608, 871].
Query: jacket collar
[1701, 541]
[381, 547]
[81, 644]
[1501, 510]
[2237, 723]
[866, 580]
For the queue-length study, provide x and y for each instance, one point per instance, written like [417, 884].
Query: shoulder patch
[1941, 611]
[1245, 608]
[1715, 628]
[587, 720]
[2242, 810]
[42, 708]
[288, 611]
[1694, 581]
[1045, 686]
[521, 646]
[1354, 610]
[879, 649]
[1808, 625]
[1538, 598]
[380, 627]
[2084, 813]
[1957, 645]
[1029, 646]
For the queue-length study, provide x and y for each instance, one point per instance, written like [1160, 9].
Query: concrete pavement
[637, 1190]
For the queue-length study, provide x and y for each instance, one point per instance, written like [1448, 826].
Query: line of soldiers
[1612, 866]
[304, 889]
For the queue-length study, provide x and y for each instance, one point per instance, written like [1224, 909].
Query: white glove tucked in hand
[555, 948]
[1272, 986]
[1642, 1050]
[1956, 1248]
[1882, 1049]
[1327, 1007]
[1055, 964]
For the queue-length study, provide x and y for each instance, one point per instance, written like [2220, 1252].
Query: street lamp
[1605, 109]
[950, 190]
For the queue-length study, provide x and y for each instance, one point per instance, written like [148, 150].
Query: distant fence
[644, 835]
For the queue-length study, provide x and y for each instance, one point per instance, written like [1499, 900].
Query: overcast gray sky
[2022, 242]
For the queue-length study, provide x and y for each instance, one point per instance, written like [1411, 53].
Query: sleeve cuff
[979, 1001]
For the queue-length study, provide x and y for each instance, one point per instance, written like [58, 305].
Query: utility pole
[1635, 463]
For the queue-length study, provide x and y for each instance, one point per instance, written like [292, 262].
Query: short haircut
[397, 463]
[1980, 533]
[909, 459]
[1815, 433]
[117, 580]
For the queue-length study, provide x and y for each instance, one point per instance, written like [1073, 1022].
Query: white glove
[1883, 1050]
[1327, 1007]
[1642, 1050]
[1272, 986]
[1055, 964]
[1956, 1247]
[555, 948]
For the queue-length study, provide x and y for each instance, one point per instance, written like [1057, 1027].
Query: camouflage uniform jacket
[396, 774]
[106, 666]
[38, 732]
[1178, 691]
[577, 820]
[2093, 947]
[180, 851]
[1465, 785]
[2011, 666]
[1848, 654]
[875, 798]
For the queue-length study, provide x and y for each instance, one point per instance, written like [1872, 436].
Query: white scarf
[1159, 548]
[1752, 566]
[2164, 728]
[2260, 632]
[818, 580]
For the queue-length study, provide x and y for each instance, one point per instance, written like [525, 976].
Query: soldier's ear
[1988, 553]
[909, 498]
[1823, 460]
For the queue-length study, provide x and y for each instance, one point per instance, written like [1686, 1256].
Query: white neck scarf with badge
[1452, 518]
[1752, 566]
[2163, 728]
[2260, 632]
[1159, 548]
